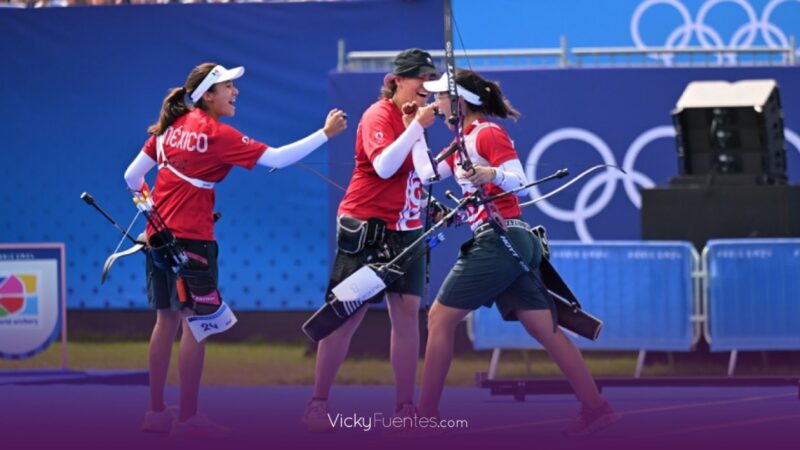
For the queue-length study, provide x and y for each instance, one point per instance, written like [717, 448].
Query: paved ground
[107, 416]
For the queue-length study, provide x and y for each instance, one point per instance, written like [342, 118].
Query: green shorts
[412, 283]
[486, 273]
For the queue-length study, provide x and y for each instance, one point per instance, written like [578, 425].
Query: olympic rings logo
[709, 37]
[631, 182]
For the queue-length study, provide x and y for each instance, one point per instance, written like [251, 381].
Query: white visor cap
[440, 85]
[218, 74]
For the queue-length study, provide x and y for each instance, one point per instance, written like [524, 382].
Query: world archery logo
[19, 300]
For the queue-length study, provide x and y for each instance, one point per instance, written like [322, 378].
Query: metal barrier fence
[752, 295]
[563, 56]
[647, 294]
[742, 294]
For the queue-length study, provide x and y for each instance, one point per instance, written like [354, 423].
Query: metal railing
[733, 56]
[360, 61]
[563, 56]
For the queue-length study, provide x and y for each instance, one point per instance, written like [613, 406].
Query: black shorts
[412, 283]
[162, 292]
[486, 273]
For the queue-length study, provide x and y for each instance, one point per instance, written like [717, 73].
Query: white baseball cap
[218, 74]
[440, 85]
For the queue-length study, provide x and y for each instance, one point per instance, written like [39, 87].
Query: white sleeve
[423, 166]
[392, 157]
[134, 175]
[510, 175]
[280, 157]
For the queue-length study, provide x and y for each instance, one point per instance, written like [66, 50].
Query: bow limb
[569, 183]
[139, 246]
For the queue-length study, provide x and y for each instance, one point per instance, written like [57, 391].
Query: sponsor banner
[32, 299]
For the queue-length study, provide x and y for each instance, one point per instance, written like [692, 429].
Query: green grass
[253, 363]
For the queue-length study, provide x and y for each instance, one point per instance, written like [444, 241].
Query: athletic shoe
[592, 420]
[316, 418]
[198, 426]
[158, 422]
[404, 411]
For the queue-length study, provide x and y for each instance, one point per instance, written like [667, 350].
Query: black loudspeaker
[730, 133]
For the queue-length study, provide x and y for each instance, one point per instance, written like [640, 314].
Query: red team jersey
[395, 200]
[487, 144]
[197, 146]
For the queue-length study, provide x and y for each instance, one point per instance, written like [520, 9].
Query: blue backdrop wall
[81, 85]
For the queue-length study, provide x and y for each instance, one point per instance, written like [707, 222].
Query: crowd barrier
[662, 296]
[752, 295]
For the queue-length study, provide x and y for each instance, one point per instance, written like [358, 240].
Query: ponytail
[492, 99]
[495, 103]
[174, 105]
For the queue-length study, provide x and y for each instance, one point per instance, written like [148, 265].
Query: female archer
[486, 272]
[194, 150]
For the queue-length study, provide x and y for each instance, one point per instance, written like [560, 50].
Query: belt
[510, 223]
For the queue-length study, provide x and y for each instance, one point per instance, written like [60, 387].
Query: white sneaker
[316, 417]
[198, 426]
[158, 422]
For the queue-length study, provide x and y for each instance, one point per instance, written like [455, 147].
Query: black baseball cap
[413, 63]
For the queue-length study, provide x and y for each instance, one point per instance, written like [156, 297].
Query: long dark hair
[175, 105]
[494, 103]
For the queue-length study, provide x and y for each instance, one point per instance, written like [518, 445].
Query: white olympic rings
[607, 179]
[707, 36]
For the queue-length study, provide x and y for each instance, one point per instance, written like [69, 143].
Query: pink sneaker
[316, 417]
[158, 422]
[592, 420]
[408, 413]
[198, 426]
